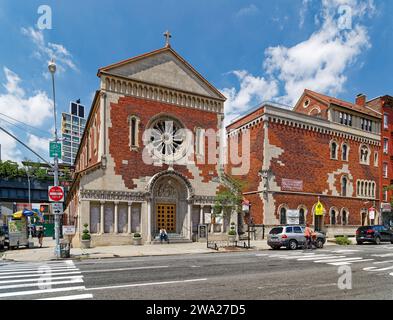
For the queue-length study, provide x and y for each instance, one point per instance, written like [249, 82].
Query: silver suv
[292, 237]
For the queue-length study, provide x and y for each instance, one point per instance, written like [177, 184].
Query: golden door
[166, 217]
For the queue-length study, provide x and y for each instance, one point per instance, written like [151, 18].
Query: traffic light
[44, 208]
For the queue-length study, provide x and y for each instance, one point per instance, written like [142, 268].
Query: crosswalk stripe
[38, 271]
[43, 283]
[382, 262]
[349, 262]
[48, 277]
[376, 269]
[33, 269]
[39, 275]
[74, 297]
[320, 258]
[339, 260]
[34, 264]
[42, 291]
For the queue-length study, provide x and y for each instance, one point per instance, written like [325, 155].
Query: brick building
[324, 149]
[141, 163]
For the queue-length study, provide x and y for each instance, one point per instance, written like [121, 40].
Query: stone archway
[170, 207]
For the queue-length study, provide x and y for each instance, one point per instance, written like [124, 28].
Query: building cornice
[298, 120]
[150, 91]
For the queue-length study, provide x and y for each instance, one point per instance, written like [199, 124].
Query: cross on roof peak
[167, 36]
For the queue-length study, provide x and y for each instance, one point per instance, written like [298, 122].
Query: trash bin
[64, 250]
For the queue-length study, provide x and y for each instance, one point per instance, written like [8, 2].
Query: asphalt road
[271, 275]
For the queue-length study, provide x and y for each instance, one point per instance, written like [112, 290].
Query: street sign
[54, 148]
[50, 172]
[319, 209]
[57, 208]
[68, 230]
[371, 213]
[293, 216]
[56, 194]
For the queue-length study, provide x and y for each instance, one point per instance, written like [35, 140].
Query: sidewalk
[47, 252]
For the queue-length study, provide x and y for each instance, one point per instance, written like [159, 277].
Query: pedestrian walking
[307, 235]
[163, 235]
[40, 235]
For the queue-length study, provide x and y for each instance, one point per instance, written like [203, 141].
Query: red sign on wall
[56, 194]
[291, 185]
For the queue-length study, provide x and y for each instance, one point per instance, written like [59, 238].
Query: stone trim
[131, 87]
[301, 121]
[204, 200]
[154, 179]
[101, 195]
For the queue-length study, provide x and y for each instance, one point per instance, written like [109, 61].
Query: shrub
[86, 235]
[232, 232]
[137, 235]
[343, 241]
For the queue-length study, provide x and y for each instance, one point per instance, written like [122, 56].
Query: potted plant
[137, 239]
[86, 238]
[232, 233]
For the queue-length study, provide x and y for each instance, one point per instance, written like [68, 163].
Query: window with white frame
[385, 170]
[366, 189]
[333, 150]
[386, 121]
[385, 194]
[134, 131]
[376, 158]
[344, 186]
[385, 146]
[199, 141]
[364, 154]
[344, 152]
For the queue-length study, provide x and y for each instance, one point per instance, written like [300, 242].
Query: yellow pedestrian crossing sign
[319, 209]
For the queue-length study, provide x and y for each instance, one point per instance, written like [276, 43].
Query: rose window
[167, 138]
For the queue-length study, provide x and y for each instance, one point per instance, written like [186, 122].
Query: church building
[149, 156]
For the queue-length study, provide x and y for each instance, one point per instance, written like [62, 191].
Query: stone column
[116, 222]
[148, 238]
[211, 226]
[129, 217]
[201, 215]
[223, 221]
[189, 220]
[102, 222]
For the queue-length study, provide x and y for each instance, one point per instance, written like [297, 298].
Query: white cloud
[319, 63]
[49, 51]
[33, 110]
[247, 11]
[252, 90]
[39, 145]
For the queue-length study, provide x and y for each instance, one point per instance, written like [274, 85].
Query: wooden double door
[166, 217]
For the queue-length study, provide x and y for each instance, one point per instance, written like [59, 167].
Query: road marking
[49, 283]
[382, 262]
[340, 260]
[195, 266]
[320, 257]
[124, 269]
[39, 275]
[5, 271]
[146, 284]
[44, 278]
[42, 291]
[383, 255]
[74, 297]
[375, 269]
[38, 271]
[261, 254]
[349, 262]
[345, 251]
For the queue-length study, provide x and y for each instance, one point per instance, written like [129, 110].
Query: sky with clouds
[252, 51]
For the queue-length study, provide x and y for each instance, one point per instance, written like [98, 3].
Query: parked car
[375, 234]
[291, 237]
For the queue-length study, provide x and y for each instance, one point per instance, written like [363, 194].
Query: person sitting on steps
[163, 235]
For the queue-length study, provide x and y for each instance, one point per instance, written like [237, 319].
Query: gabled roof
[113, 68]
[348, 105]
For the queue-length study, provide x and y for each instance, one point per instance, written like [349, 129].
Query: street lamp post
[30, 208]
[52, 70]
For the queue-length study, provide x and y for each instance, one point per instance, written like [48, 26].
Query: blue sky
[250, 50]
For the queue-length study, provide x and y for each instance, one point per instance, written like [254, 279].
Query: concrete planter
[85, 244]
[137, 241]
[231, 238]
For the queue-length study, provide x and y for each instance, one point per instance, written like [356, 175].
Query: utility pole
[52, 70]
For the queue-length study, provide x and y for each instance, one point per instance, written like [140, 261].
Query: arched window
[344, 183]
[333, 217]
[364, 154]
[283, 215]
[344, 152]
[333, 150]
[302, 219]
[134, 132]
[344, 217]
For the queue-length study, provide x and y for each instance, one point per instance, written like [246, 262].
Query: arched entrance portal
[169, 203]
